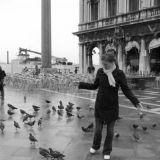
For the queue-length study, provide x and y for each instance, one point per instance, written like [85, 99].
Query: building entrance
[132, 60]
[155, 60]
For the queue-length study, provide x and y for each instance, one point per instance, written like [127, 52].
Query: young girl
[108, 80]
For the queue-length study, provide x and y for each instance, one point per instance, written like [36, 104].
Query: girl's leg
[107, 148]
[97, 133]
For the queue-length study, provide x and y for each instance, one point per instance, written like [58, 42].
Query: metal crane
[28, 50]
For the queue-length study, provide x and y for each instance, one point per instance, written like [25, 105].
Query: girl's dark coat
[107, 105]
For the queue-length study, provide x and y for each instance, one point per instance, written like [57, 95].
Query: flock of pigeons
[29, 119]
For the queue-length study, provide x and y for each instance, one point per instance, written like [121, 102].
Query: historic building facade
[130, 27]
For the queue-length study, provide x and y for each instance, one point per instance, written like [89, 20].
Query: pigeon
[47, 101]
[69, 114]
[80, 117]
[154, 125]
[59, 113]
[2, 126]
[91, 107]
[90, 126]
[10, 112]
[71, 104]
[60, 102]
[31, 116]
[136, 136]
[85, 130]
[116, 135]
[78, 108]
[40, 122]
[56, 154]
[23, 111]
[11, 106]
[54, 108]
[36, 108]
[30, 123]
[148, 107]
[25, 118]
[119, 118]
[44, 152]
[16, 125]
[69, 109]
[32, 138]
[135, 126]
[60, 107]
[144, 128]
[25, 98]
[48, 111]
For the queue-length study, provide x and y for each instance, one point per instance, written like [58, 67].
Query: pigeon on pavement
[16, 125]
[31, 123]
[44, 152]
[2, 126]
[32, 138]
[10, 113]
[11, 107]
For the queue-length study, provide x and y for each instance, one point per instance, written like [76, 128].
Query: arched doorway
[155, 60]
[132, 60]
[154, 49]
[132, 57]
[93, 59]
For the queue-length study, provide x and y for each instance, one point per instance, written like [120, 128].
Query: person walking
[2, 76]
[108, 80]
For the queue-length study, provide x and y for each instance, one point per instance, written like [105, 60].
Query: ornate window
[121, 6]
[156, 2]
[144, 4]
[94, 10]
[112, 7]
[133, 5]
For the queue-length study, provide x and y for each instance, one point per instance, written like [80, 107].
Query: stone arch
[132, 50]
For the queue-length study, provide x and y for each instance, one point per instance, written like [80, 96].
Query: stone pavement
[65, 134]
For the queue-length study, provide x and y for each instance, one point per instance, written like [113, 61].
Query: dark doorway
[155, 60]
[132, 60]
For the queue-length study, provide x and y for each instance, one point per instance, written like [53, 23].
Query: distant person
[37, 70]
[2, 76]
[76, 70]
[108, 80]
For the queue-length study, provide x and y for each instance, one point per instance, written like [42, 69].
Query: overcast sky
[20, 26]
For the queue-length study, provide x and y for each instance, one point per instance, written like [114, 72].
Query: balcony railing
[131, 17]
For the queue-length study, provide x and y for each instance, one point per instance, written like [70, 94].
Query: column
[100, 9]
[120, 57]
[85, 59]
[106, 9]
[46, 33]
[80, 11]
[142, 58]
[100, 54]
[85, 11]
[7, 57]
[80, 58]
[88, 12]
